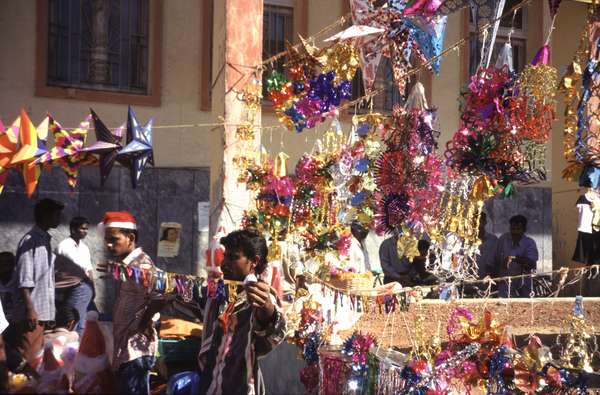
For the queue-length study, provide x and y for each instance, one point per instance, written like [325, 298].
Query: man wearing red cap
[135, 338]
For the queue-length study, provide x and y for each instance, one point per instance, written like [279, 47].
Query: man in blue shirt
[33, 308]
[516, 254]
[394, 268]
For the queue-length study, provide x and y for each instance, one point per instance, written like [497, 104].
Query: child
[236, 334]
[135, 339]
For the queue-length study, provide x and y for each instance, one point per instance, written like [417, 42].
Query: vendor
[419, 273]
[135, 339]
[517, 254]
[237, 333]
[394, 268]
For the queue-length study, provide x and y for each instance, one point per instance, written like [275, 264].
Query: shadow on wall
[164, 195]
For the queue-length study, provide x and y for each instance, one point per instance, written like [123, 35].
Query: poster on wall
[169, 239]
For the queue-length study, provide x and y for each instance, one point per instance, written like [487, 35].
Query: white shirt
[358, 258]
[78, 253]
[586, 214]
[3, 322]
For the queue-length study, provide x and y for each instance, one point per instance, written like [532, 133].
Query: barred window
[278, 27]
[98, 45]
[518, 39]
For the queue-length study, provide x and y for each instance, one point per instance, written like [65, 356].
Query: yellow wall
[569, 24]
[196, 147]
[180, 84]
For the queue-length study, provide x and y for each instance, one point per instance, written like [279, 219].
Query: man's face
[80, 232]
[118, 243]
[236, 266]
[54, 218]
[517, 230]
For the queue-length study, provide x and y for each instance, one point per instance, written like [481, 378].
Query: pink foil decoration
[542, 56]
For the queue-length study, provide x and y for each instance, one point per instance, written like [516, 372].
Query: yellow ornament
[341, 58]
[280, 165]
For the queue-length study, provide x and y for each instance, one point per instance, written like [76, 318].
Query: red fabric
[118, 216]
[92, 342]
[276, 282]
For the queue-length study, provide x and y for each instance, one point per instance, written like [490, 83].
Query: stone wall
[163, 195]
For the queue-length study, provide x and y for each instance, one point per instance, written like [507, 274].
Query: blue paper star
[138, 150]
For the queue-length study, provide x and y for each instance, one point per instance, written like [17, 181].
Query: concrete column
[243, 26]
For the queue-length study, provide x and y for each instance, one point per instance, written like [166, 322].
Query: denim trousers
[79, 298]
[134, 376]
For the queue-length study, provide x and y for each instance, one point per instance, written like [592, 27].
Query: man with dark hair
[236, 333]
[516, 254]
[73, 277]
[419, 273]
[34, 308]
[135, 338]
[395, 268]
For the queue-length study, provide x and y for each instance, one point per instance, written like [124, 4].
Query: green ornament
[275, 81]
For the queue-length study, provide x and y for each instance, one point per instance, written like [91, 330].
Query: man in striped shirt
[135, 339]
[236, 334]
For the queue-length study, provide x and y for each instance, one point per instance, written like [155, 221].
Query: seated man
[237, 333]
[394, 268]
[516, 254]
[419, 273]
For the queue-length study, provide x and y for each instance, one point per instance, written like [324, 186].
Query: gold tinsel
[539, 81]
[341, 58]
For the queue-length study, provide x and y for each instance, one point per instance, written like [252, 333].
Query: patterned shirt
[35, 270]
[133, 299]
[228, 359]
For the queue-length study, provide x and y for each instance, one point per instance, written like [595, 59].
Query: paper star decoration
[405, 29]
[8, 147]
[139, 147]
[31, 146]
[68, 151]
[107, 146]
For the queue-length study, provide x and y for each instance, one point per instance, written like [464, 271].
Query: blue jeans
[134, 376]
[78, 298]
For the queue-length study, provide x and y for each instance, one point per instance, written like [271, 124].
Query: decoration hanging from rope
[23, 148]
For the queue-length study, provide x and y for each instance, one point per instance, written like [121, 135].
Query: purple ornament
[358, 198]
[362, 165]
[363, 129]
[345, 90]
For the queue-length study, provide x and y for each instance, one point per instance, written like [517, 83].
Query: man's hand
[259, 297]
[509, 260]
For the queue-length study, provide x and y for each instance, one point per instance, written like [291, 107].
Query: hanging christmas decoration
[68, 151]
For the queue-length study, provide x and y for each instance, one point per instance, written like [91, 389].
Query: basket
[352, 282]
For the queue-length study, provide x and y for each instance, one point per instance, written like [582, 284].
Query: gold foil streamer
[539, 81]
[341, 58]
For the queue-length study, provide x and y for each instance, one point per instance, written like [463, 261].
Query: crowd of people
[44, 290]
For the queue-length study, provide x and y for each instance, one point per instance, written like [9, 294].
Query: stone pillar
[243, 26]
[99, 66]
